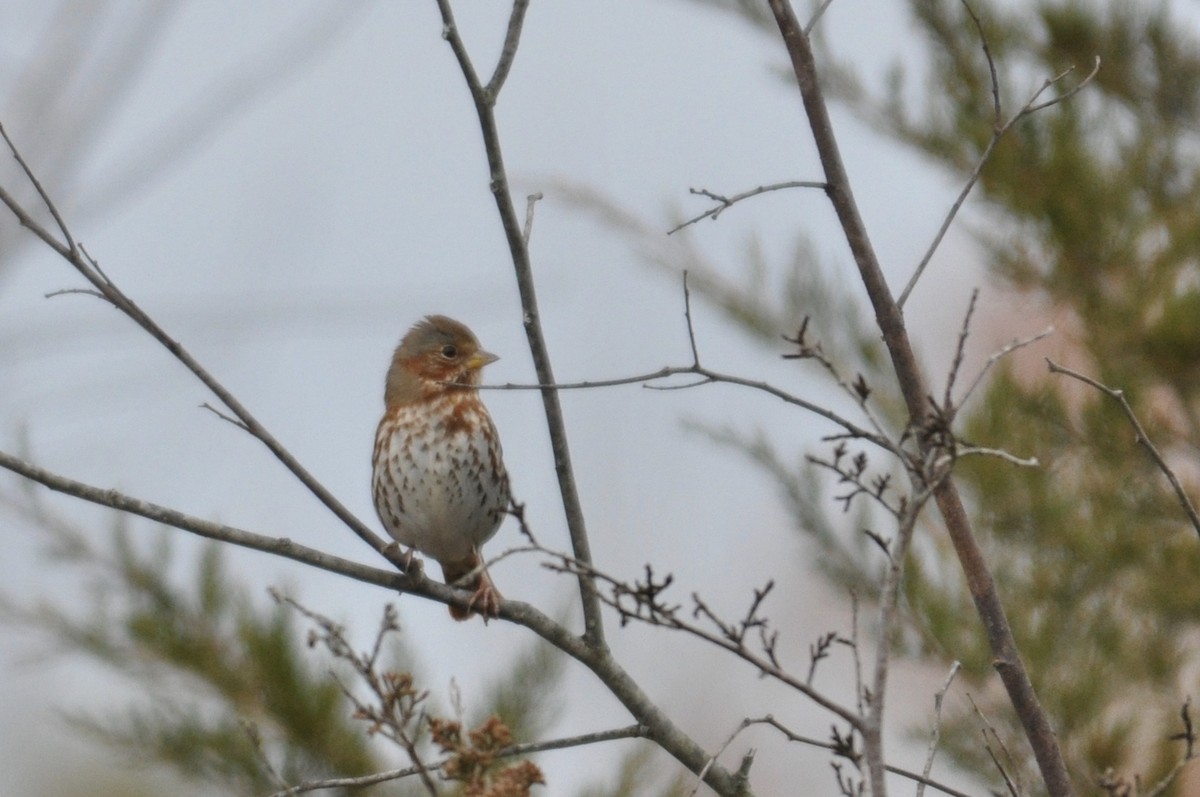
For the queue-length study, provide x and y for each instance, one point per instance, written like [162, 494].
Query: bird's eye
[449, 351]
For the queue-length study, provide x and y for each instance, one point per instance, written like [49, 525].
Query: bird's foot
[486, 599]
[405, 560]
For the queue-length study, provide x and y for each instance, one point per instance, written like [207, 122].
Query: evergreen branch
[888, 315]
[1141, 437]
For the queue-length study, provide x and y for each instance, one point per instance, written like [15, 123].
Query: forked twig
[999, 130]
[726, 202]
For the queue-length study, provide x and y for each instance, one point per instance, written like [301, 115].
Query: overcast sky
[289, 245]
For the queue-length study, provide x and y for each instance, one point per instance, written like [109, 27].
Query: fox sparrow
[438, 478]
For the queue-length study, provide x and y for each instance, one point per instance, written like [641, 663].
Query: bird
[438, 478]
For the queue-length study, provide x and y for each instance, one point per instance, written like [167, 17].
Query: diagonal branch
[1006, 657]
[108, 290]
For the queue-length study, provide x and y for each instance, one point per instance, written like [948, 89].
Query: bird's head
[436, 355]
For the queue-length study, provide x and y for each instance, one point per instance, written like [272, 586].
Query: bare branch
[791, 736]
[1140, 437]
[816, 17]
[889, 606]
[1188, 737]
[687, 315]
[959, 352]
[710, 377]
[990, 734]
[90, 269]
[280, 546]
[484, 102]
[1000, 129]
[1012, 459]
[888, 315]
[936, 734]
[1030, 107]
[512, 751]
[996, 356]
[642, 601]
[508, 52]
[41, 191]
[530, 202]
[725, 202]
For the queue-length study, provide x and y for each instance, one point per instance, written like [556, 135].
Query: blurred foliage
[641, 767]
[1090, 211]
[233, 693]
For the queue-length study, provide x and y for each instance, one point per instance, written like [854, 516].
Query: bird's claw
[485, 601]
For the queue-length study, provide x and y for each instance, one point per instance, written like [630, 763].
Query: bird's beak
[480, 359]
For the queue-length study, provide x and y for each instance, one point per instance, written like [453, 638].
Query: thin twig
[1188, 737]
[989, 733]
[999, 130]
[655, 613]
[889, 607]
[1012, 459]
[255, 737]
[713, 759]
[484, 101]
[41, 191]
[725, 202]
[508, 53]
[816, 17]
[280, 546]
[1140, 437]
[709, 377]
[916, 777]
[530, 202]
[936, 734]
[959, 352]
[224, 416]
[687, 315]
[999, 354]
